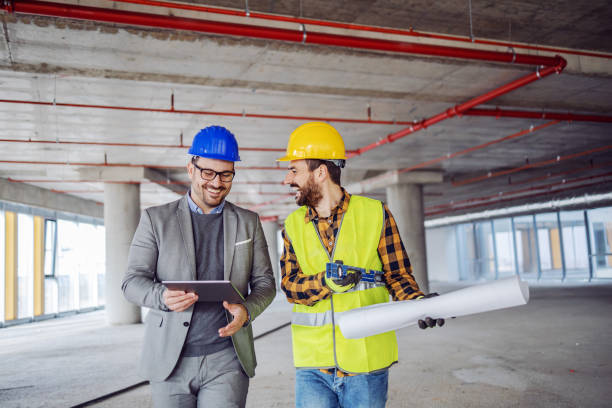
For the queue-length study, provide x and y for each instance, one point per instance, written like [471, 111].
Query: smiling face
[208, 194]
[302, 180]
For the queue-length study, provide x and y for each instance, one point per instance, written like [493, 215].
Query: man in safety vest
[354, 237]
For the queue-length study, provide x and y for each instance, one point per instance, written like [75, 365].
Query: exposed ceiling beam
[393, 177]
[43, 198]
[163, 179]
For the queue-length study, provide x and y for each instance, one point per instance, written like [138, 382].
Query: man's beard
[310, 194]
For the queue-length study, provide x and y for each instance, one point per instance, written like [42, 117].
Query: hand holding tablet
[208, 291]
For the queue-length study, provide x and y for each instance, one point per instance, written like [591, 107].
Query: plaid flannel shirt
[309, 289]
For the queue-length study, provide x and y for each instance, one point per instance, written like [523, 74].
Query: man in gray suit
[200, 353]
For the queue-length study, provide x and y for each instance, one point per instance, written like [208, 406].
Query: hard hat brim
[290, 158]
[287, 158]
[215, 156]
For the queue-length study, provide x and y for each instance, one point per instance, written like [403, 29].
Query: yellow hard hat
[315, 140]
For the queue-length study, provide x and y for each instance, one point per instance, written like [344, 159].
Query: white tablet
[208, 290]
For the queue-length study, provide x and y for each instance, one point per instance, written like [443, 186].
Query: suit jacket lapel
[230, 225]
[184, 217]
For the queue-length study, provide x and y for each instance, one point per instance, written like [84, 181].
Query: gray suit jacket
[163, 249]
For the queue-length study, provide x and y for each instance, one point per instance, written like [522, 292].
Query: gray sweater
[208, 317]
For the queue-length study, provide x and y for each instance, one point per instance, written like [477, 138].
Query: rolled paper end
[384, 317]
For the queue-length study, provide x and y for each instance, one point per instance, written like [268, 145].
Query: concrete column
[406, 204]
[270, 229]
[121, 216]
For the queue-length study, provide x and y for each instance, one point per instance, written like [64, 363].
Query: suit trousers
[215, 380]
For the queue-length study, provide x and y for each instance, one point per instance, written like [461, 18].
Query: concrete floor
[554, 352]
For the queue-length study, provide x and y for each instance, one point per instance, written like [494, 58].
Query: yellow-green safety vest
[317, 340]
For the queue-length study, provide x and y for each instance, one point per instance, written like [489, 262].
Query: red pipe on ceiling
[545, 193]
[478, 147]
[12, 180]
[555, 64]
[207, 113]
[523, 114]
[152, 166]
[466, 151]
[513, 136]
[530, 166]
[517, 191]
[353, 27]
[459, 109]
[118, 144]
[77, 191]
[560, 173]
[268, 33]
[497, 112]
[102, 191]
[134, 182]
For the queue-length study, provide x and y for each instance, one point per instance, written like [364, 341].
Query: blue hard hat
[215, 142]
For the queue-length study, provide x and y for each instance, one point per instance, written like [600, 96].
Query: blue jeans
[314, 389]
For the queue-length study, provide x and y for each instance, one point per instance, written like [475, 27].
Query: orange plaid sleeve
[396, 265]
[300, 288]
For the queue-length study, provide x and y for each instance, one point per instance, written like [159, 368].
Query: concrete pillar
[406, 204]
[121, 216]
[270, 229]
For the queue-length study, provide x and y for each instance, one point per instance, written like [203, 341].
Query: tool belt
[338, 270]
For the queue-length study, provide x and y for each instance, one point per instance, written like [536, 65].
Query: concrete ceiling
[574, 24]
[69, 148]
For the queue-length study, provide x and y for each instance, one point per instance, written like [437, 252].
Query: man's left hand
[240, 315]
[429, 322]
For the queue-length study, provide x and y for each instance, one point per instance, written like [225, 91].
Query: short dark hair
[194, 160]
[333, 170]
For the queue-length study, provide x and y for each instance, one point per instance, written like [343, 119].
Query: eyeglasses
[210, 174]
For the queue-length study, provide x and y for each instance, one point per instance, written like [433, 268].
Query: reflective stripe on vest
[313, 319]
[317, 340]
